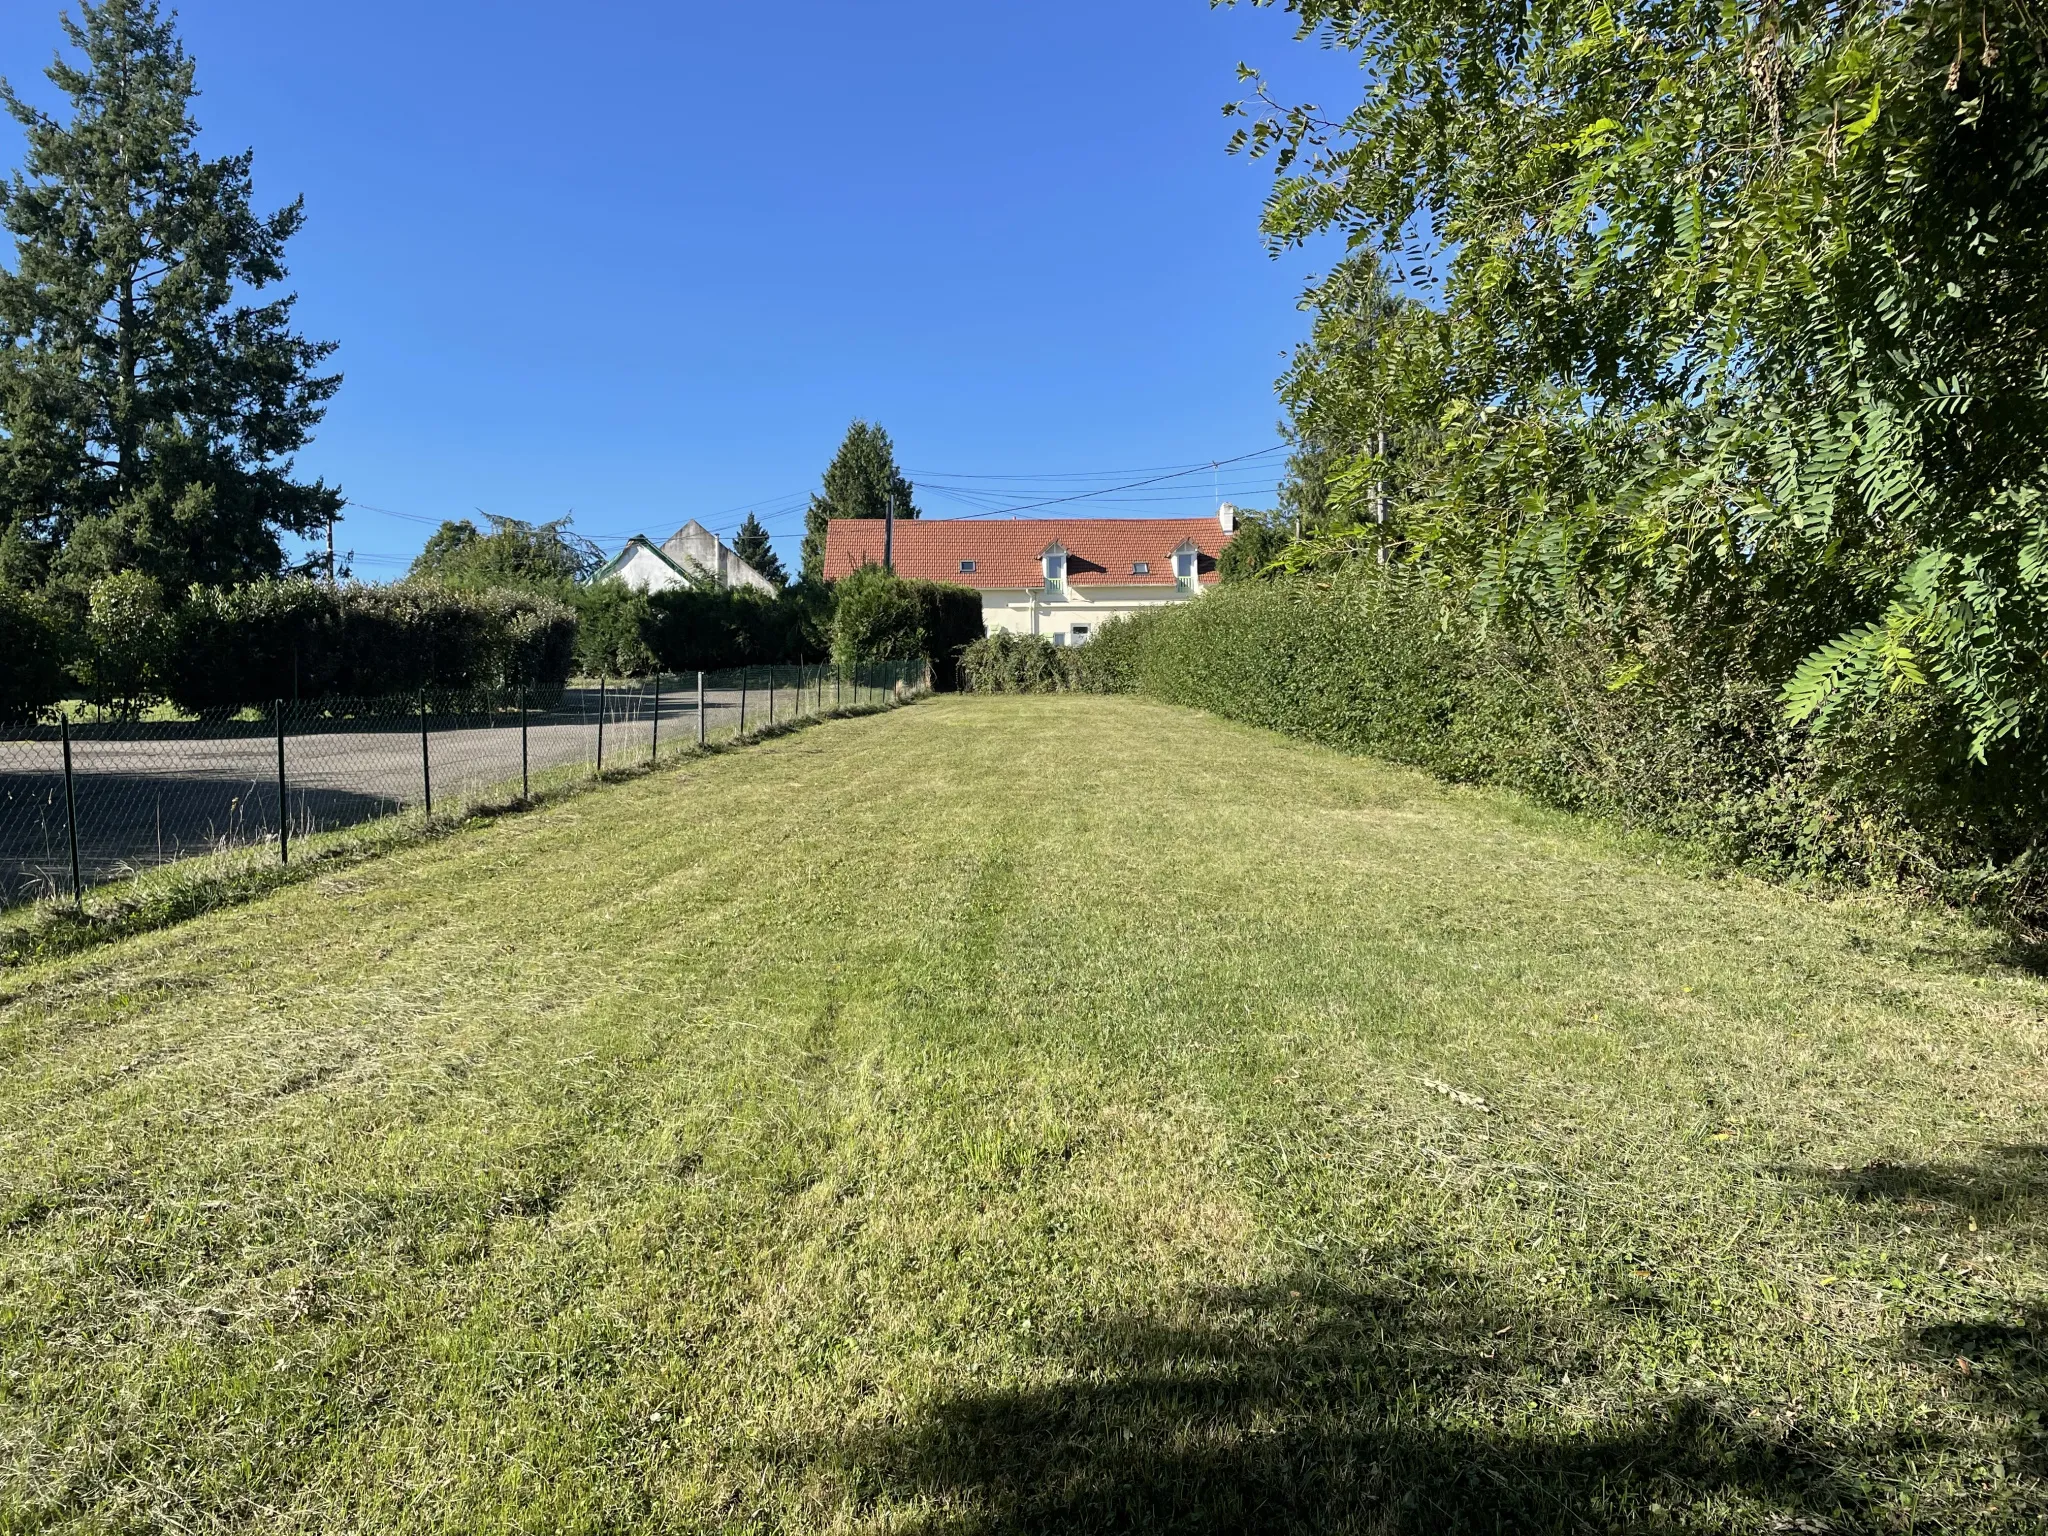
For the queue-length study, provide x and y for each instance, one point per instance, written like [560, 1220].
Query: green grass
[159, 896]
[1025, 1115]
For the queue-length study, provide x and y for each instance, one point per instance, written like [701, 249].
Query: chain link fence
[86, 799]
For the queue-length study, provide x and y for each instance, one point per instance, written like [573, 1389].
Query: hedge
[879, 616]
[1614, 715]
[231, 646]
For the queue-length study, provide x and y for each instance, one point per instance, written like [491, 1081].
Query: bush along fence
[87, 800]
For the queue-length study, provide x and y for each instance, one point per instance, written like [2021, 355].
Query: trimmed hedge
[879, 616]
[1617, 716]
[231, 646]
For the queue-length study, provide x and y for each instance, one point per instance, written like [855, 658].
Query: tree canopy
[537, 557]
[1734, 309]
[149, 406]
[861, 481]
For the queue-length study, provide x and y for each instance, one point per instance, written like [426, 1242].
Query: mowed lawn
[1026, 1115]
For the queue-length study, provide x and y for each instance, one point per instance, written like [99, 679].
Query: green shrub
[879, 616]
[1009, 663]
[32, 643]
[1111, 660]
[129, 638]
[1257, 543]
[232, 646]
[615, 627]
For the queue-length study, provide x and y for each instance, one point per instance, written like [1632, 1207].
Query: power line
[1055, 501]
[921, 476]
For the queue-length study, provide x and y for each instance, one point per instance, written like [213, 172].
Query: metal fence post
[71, 811]
[426, 765]
[771, 698]
[525, 778]
[700, 709]
[654, 743]
[284, 805]
[743, 701]
[600, 727]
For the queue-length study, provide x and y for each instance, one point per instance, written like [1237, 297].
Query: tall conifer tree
[752, 545]
[149, 409]
[860, 481]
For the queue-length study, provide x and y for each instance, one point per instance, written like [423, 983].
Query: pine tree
[751, 545]
[147, 418]
[861, 481]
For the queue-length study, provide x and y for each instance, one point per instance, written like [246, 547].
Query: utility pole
[1379, 487]
[330, 549]
[889, 536]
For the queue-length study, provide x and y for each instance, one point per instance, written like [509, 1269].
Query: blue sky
[643, 262]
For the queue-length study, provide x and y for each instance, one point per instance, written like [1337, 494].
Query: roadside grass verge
[172, 892]
[1026, 1115]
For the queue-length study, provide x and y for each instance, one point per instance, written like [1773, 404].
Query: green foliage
[1004, 662]
[622, 632]
[1738, 316]
[1111, 661]
[1252, 550]
[752, 545]
[879, 616]
[232, 646]
[149, 408]
[861, 481]
[32, 639]
[614, 630]
[535, 557]
[128, 642]
[708, 629]
[875, 616]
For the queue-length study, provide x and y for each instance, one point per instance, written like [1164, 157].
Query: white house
[1058, 577]
[692, 552]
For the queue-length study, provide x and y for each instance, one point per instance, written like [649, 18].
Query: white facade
[1071, 615]
[692, 551]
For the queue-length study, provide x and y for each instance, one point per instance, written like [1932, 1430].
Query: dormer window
[1054, 561]
[1141, 567]
[966, 567]
[1184, 565]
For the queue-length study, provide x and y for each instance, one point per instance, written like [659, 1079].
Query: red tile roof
[1100, 550]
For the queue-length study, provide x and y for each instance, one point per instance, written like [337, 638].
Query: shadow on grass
[1312, 1407]
[2005, 1186]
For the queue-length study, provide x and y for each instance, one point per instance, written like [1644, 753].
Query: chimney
[1226, 514]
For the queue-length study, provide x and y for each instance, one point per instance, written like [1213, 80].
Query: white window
[1059, 638]
[1080, 633]
[1184, 565]
[966, 567]
[1055, 561]
[1141, 567]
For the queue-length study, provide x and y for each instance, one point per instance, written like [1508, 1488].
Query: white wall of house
[1058, 613]
[694, 545]
[642, 568]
